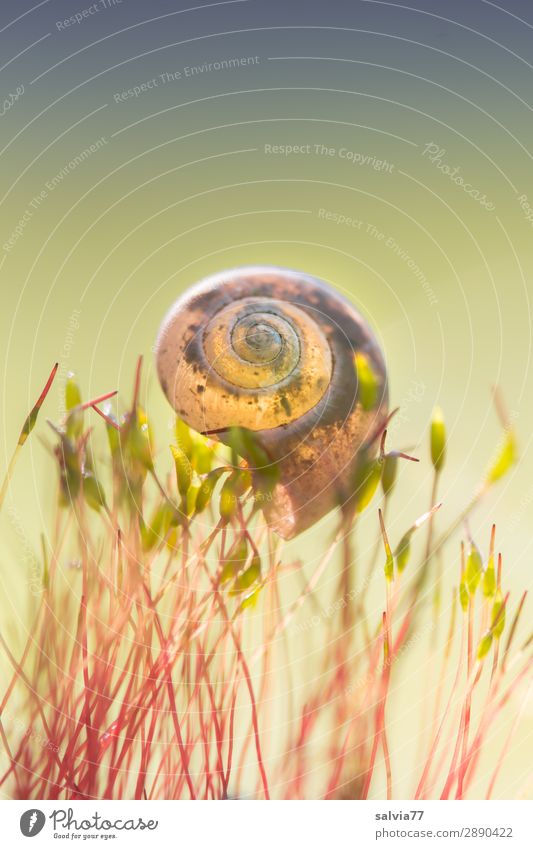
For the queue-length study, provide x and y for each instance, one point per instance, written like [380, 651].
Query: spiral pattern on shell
[272, 350]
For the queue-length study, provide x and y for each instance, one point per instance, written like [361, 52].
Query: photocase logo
[32, 822]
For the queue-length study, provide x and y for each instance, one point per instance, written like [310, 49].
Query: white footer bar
[276, 825]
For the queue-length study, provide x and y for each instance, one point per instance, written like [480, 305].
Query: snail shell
[272, 350]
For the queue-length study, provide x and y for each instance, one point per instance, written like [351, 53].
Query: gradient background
[183, 188]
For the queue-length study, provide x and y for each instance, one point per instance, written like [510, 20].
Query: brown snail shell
[272, 350]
